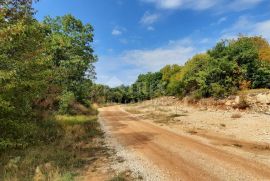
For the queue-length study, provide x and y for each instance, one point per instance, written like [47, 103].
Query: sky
[138, 36]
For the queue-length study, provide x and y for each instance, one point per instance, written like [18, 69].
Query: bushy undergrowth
[19, 134]
[63, 146]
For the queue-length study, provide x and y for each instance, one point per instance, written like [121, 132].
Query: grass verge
[75, 144]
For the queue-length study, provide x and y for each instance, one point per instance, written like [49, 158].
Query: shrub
[66, 100]
[217, 90]
[18, 134]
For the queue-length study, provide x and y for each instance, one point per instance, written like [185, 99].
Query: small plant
[223, 125]
[237, 145]
[177, 115]
[236, 116]
[140, 177]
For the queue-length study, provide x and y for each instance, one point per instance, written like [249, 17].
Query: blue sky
[138, 36]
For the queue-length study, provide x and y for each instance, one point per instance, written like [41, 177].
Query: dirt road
[179, 156]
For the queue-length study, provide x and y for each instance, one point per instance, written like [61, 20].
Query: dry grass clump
[74, 120]
[236, 116]
[192, 131]
[177, 115]
[159, 117]
[133, 111]
[238, 145]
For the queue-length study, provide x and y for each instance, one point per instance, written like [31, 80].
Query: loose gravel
[141, 168]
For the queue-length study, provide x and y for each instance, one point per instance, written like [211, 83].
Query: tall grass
[67, 148]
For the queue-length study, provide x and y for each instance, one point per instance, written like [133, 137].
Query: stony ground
[163, 139]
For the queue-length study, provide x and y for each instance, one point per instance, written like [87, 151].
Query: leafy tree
[39, 62]
[148, 85]
[262, 77]
[170, 78]
[190, 74]
[72, 54]
[24, 67]
[23, 62]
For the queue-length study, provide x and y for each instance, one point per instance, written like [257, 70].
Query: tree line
[230, 66]
[45, 68]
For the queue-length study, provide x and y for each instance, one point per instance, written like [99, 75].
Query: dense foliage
[45, 67]
[230, 66]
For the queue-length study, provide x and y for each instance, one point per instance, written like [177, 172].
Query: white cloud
[175, 4]
[149, 18]
[239, 5]
[263, 28]
[202, 4]
[175, 52]
[247, 26]
[116, 32]
[167, 4]
[155, 59]
[127, 65]
[220, 5]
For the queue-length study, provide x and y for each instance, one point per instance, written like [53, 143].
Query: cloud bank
[234, 5]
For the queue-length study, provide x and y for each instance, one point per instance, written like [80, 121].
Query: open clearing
[186, 151]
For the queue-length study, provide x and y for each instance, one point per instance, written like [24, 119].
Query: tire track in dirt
[163, 148]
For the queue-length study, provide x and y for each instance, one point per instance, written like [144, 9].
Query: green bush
[18, 134]
[66, 101]
[217, 90]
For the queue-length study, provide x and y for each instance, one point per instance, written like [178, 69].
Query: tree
[230, 66]
[72, 54]
[39, 63]
[24, 64]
